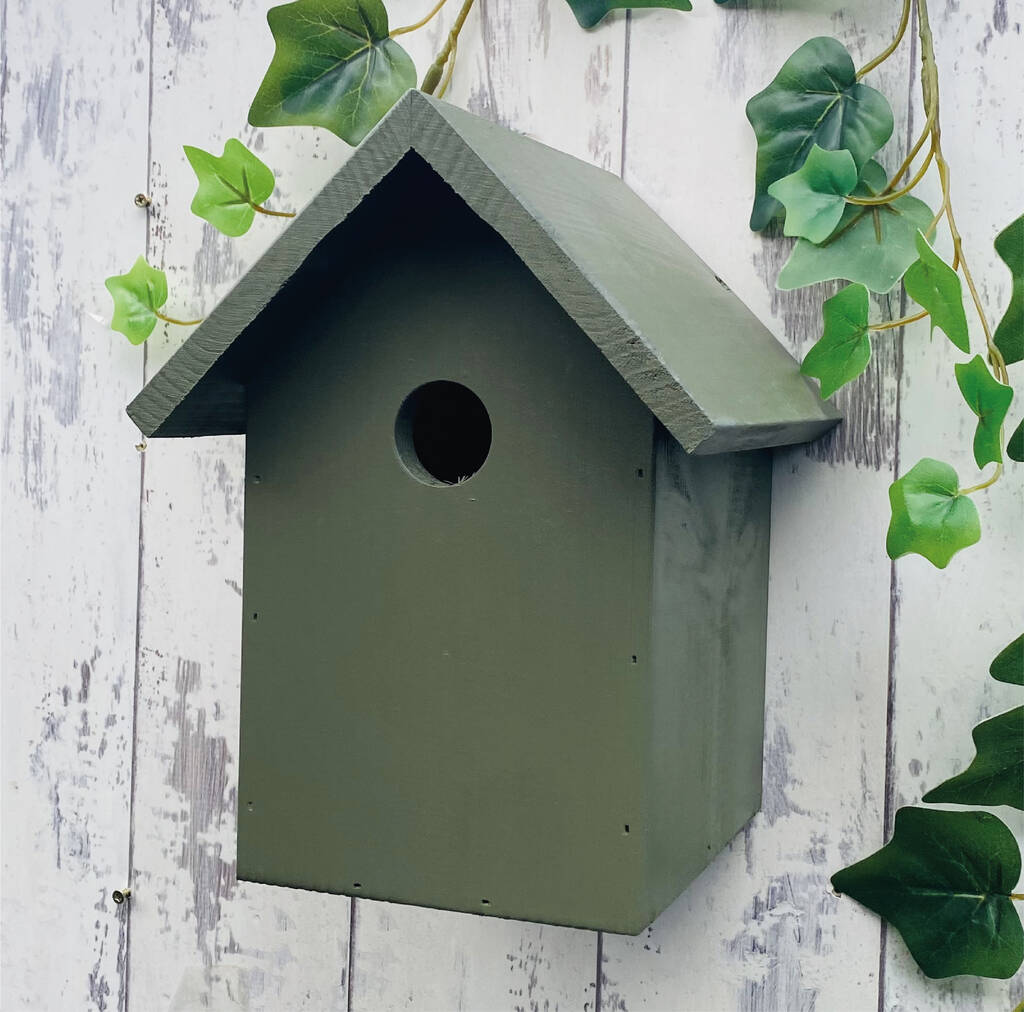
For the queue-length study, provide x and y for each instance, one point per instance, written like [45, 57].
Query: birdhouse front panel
[447, 557]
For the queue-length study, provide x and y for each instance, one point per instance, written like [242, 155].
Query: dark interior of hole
[450, 430]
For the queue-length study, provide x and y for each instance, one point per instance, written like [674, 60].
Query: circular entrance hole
[442, 433]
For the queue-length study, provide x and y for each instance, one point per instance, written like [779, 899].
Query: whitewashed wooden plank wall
[121, 612]
[74, 86]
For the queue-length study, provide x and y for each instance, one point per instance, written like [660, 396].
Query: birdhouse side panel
[709, 621]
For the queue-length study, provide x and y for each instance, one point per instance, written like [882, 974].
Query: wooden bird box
[506, 532]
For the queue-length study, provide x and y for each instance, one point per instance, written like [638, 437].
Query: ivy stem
[996, 475]
[433, 75]
[930, 91]
[893, 46]
[912, 154]
[449, 70]
[171, 319]
[419, 24]
[273, 214]
[1017, 896]
[888, 198]
[893, 324]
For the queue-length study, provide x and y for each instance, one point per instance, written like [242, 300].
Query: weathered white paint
[950, 624]
[98, 97]
[761, 929]
[73, 138]
[198, 938]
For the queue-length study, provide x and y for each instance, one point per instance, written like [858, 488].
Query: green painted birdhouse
[508, 476]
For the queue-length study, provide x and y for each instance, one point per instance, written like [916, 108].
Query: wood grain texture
[761, 928]
[198, 938]
[690, 155]
[949, 624]
[73, 137]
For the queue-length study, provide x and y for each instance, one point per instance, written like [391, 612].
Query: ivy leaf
[996, 775]
[944, 882]
[334, 67]
[1015, 447]
[871, 245]
[844, 349]
[229, 186]
[989, 400]
[591, 12]
[935, 286]
[814, 99]
[137, 296]
[929, 515]
[814, 195]
[1009, 335]
[1009, 663]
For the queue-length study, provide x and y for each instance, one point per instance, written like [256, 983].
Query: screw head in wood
[143, 200]
[120, 895]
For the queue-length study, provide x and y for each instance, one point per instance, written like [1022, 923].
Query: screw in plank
[120, 895]
[143, 200]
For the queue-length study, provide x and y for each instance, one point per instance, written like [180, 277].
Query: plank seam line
[140, 569]
[4, 79]
[890, 688]
[625, 92]
[351, 953]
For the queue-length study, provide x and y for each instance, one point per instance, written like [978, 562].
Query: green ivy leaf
[1015, 447]
[814, 99]
[935, 286]
[944, 882]
[1009, 663]
[929, 515]
[137, 296]
[996, 775]
[334, 67]
[1009, 335]
[591, 12]
[871, 245]
[815, 195]
[229, 187]
[844, 350]
[989, 400]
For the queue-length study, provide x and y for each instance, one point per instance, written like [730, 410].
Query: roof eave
[183, 399]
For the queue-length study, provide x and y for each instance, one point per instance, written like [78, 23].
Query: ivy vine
[945, 878]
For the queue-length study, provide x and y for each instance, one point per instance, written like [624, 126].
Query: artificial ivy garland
[945, 879]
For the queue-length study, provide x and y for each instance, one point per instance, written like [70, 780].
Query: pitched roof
[691, 350]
